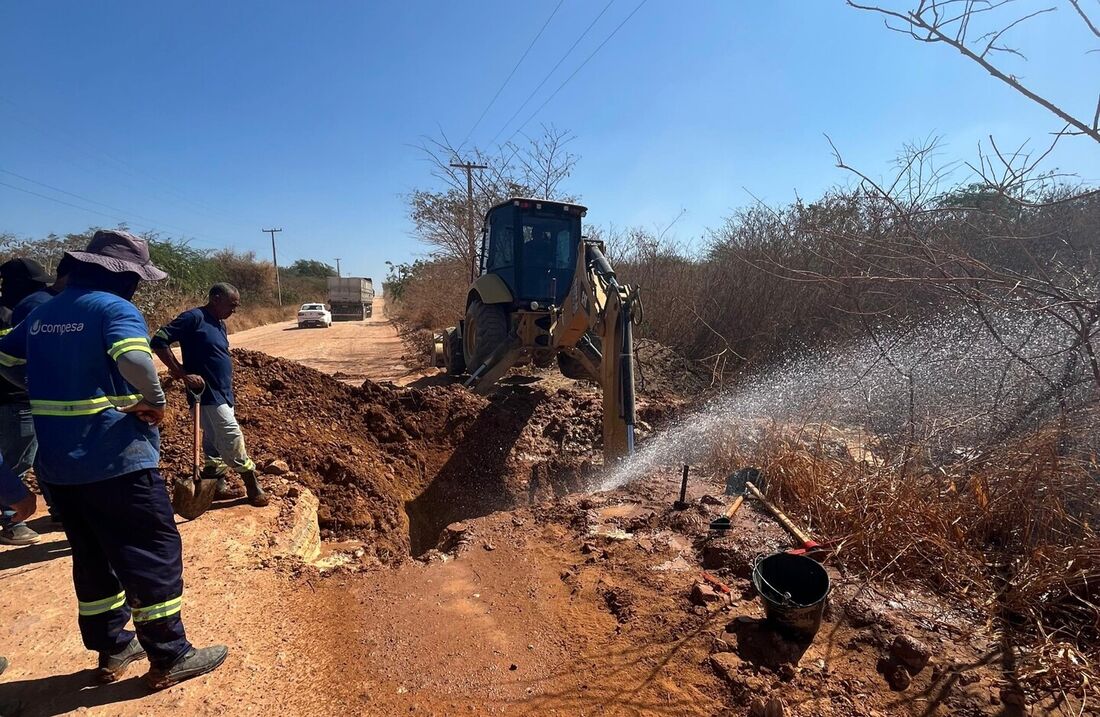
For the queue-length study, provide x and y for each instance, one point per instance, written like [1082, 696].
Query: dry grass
[1013, 535]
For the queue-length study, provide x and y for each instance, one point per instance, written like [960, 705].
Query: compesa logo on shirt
[58, 329]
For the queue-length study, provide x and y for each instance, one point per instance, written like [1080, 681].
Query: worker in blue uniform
[25, 426]
[19, 278]
[35, 299]
[207, 371]
[96, 402]
[23, 504]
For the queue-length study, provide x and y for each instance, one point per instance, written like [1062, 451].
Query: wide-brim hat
[119, 252]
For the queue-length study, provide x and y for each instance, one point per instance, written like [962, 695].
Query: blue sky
[215, 119]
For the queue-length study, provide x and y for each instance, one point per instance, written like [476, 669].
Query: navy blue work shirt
[70, 345]
[204, 343]
[29, 303]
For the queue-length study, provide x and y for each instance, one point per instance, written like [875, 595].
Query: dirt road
[349, 350]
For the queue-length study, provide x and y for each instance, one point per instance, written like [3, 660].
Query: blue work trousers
[127, 561]
[18, 446]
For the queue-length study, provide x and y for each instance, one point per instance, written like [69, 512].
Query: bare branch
[927, 23]
[1088, 21]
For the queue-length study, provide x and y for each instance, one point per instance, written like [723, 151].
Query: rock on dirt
[726, 665]
[706, 595]
[910, 652]
[897, 674]
[773, 707]
[276, 468]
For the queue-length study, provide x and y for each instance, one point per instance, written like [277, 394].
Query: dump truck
[547, 293]
[350, 298]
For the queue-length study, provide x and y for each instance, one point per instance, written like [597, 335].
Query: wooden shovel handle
[196, 465]
[734, 506]
[786, 522]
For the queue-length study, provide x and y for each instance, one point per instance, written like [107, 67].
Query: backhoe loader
[546, 293]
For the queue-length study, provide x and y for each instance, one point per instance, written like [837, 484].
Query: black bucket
[793, 588]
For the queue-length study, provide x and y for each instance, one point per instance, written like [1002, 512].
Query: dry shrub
[1013, 534]
[434, 295]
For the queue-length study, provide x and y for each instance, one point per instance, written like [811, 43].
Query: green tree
[309, 267]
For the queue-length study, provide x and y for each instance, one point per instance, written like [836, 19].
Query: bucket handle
[787, 599]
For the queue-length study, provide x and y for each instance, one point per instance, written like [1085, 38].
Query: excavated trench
[392, 467]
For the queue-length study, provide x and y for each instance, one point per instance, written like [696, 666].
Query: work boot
[194, 663]
[222, 491]
[112, 666]
[256, 494]
[18, 535]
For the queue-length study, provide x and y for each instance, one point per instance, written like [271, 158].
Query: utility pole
[470, 211]
[338, 274]
[275, 261]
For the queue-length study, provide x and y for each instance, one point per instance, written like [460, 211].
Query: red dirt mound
[394, 466]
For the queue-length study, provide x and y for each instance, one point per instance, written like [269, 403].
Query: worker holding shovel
[207, 372]
[85, 361]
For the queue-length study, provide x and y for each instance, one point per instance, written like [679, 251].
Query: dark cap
[24, 270]
[119, 252]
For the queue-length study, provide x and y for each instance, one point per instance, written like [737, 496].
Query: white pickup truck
[314, 315]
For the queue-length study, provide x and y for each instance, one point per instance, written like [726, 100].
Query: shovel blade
[191, 498]
[735, 483]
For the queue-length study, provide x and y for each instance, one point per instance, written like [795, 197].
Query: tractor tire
[486, 328]
[453, 360]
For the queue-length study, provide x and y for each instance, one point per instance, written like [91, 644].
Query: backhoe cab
[545, 294]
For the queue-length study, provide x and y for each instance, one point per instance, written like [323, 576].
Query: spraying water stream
[949, 380]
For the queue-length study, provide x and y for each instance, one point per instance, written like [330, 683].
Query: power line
[120, 165]
[155, 223]
[551, 72]
[120, 220]
[509, 77]
[579, 68]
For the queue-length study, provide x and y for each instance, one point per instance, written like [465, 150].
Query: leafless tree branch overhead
[952, 22]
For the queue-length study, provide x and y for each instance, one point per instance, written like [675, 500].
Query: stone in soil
[896, 673]
[774, 706]
[706, 595]
[911, 652]
[276, 468]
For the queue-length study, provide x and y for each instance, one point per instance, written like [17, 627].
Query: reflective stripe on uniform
[135, 344]
[161, 609]
[124, 401]
[5, 332]
[98, 607]
[162, 334]
[9, 360]
[84, 407]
